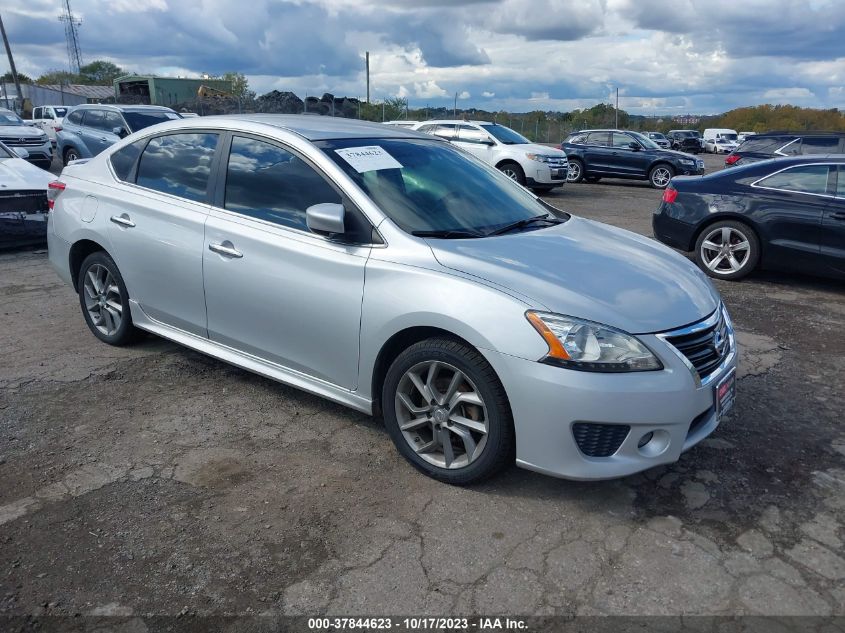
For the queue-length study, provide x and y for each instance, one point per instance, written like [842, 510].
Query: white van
[49, 118]
[720, 140]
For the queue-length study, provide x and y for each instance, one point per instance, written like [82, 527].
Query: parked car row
[777, 144]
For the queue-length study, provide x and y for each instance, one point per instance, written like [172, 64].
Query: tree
[7, 78]
[240, 85]
[52, 77]
[100, 72]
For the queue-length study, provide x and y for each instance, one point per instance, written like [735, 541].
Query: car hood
[20, 131]
[671, 152]
[534, 148]
[17, 174]
[592, 271]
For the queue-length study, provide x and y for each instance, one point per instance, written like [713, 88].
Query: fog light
[654, 443]
[645, 439]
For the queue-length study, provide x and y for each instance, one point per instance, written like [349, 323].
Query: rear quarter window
[802, 179]
[123, 160]
[75, 117]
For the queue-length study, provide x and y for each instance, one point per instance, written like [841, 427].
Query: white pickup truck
[537, 167]
[49, 118]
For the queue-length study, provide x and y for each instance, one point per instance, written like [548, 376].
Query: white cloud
[488, 94]
[428, 90]
[464, 95]
[539, 96]
[788, 93]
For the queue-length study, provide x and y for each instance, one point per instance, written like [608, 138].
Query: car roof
[782, 162]
[797, 134]
[122, 107]
[457, 121]
[311, 127]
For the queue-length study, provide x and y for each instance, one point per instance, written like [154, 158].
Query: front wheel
[70, 154]
[104, 300]
[660, 175]
[727, 250]
[514, 172]
[447, 413]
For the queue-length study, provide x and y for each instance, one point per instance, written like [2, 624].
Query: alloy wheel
[441, 414]
[725, 250]
[574, 172]
[103, 300]
[510, 172]
[661, 176]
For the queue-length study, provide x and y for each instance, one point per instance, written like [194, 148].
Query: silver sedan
[396, 274]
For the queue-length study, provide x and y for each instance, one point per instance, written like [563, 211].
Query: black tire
[513, 171]
[592, 179]
[499, 450]
[70, 153]
[738, 232]
[126, 332]
[660, 175]
[576, 171]
[541, 190]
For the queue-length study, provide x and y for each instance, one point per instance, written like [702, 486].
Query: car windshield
[10, 118]
[655, 135]
[644, 140]
[729, 137]
[433, 187]
[505, 135]
[138, 120]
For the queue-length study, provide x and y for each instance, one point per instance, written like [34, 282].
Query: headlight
[687, 161]
[587, 346]
[543, 158]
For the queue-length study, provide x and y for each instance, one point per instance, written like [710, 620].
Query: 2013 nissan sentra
[396, 274]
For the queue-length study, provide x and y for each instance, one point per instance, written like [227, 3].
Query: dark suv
[685, 140]
[595, 154]
[774, 144]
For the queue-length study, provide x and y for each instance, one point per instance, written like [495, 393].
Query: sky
[664, 56]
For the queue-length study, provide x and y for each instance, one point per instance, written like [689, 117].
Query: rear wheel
[727, 250]
[575, 173]
[447, 412]
[104, 300]
[513, 171]
[660, 175]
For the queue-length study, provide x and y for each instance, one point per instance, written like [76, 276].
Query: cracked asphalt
[154, 480]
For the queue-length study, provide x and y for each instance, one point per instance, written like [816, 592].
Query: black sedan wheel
[575, 173]
[727, 250]
[660, 175]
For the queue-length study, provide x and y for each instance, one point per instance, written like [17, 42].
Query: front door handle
[123, 220]
[226, 249]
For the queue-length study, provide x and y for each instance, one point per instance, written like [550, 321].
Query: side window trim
[219, 170]
[134, 173]
[756, 184]
[780, 151]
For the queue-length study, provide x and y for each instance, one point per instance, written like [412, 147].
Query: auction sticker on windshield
[370, 158]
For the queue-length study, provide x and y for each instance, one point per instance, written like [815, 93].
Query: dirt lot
[154, 480]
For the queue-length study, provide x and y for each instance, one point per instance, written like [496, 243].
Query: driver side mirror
[634, 145]
[119, 131]
[489, 142]
[326, 218]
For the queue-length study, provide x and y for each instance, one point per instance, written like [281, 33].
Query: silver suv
[388, 271]
[15, 133]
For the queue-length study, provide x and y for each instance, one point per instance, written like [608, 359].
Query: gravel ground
[155, 480]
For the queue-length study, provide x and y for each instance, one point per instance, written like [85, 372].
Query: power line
[72, 24]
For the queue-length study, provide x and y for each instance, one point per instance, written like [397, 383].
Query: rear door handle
[122, 220]
[226, 249]
[839, 215]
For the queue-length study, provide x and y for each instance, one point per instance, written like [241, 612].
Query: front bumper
[548, 401]
[542, 174]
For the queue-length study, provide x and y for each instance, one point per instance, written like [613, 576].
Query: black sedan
[597, 154]
[787, 213]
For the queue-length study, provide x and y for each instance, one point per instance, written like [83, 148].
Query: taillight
[731, 159]
[57, 128]
[53, 191]
[670, 195]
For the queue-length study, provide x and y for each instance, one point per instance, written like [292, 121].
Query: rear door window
[598, 138]
[94, 119]
[75, 117]
[178, 164]
[811, 179]
[819, 145]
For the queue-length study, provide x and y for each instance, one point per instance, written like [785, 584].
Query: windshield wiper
[507, 228]
[448, 234]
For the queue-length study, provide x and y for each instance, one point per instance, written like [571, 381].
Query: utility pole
[11, 63]
[617, 108]
[456, 106]
[368, 75]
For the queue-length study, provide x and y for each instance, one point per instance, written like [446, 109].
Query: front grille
[599, 440]
[23, 201]
[18, 141]
[705, 345]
